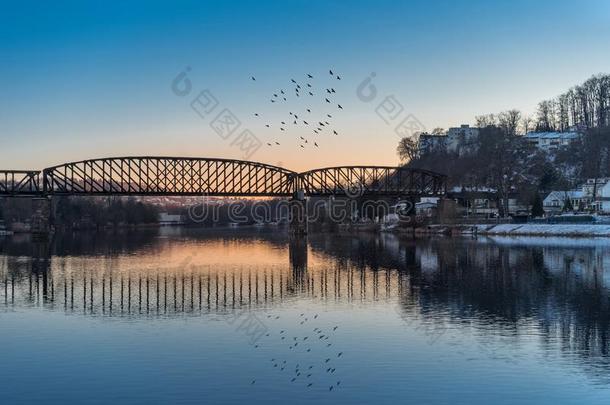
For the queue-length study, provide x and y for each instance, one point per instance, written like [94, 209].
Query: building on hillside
[458, 140]
[462, 139]
[551, 141]
[430, 143]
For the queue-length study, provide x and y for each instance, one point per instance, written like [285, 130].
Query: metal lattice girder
[372, 180]
[168, 176]
[217, 177]
[19, 182]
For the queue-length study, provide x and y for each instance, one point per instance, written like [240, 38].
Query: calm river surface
[251, 316]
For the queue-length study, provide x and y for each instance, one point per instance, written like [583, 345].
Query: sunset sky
[84, 81]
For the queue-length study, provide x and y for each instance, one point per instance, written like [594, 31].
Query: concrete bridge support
[298, 214]
[42, 216]
[297, 252]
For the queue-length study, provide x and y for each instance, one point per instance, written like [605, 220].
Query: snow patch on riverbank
[545, 229]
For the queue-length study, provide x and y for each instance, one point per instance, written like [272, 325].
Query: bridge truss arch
[356, 181]
[178, 176]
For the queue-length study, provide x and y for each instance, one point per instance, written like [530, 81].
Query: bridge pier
[298, 214]
[42, 216]
[297, 252]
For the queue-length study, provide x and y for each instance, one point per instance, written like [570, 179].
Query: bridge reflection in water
[70, 283]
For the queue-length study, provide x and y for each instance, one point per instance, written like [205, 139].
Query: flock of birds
[312, 345]
[313, 118]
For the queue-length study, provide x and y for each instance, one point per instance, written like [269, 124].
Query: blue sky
[92, 79]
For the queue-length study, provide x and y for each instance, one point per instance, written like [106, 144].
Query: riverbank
[570, 230]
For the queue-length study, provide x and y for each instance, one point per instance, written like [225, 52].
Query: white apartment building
[551, 141]
[462, 139]
[457, 140]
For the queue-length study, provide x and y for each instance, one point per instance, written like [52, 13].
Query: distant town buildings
[463, 139]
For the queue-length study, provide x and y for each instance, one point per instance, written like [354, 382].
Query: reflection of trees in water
[509, 286]
[504, 290]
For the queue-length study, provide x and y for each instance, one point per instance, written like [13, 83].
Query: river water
[235, 316]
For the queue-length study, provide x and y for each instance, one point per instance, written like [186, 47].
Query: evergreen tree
[537, 206]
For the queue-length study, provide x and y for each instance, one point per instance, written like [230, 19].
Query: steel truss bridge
[179, 176]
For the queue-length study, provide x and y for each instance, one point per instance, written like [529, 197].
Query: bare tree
[546, 116]
[508, 121]
[484, 121]
[527, 124]
[407, 149]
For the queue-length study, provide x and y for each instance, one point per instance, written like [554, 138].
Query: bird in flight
[292, 80]
[253, 78]
[331, 72]
[310, 76]
[310, 93]
[327, 100]
[277, 143]
[339, 105]
[308, 110]
[338, 78]
[335, 132]
[256, 114]
[315, 144]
